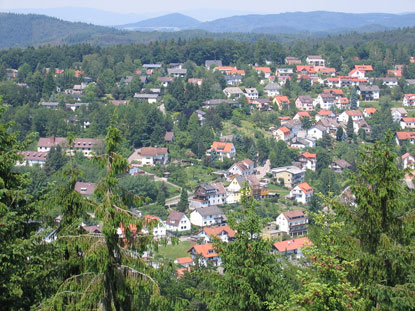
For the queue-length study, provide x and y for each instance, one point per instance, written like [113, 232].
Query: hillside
[172, 22]
[298, 22]
[24, 30]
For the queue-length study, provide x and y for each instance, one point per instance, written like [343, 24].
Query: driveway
[263, 170]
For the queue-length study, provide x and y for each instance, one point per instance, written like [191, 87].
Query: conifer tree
[183, 204]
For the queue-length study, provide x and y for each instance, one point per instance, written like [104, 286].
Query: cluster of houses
[86, 146]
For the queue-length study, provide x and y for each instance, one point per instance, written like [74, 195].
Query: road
[263, 170]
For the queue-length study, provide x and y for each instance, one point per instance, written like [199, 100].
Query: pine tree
[349, 128]
[49, 85]
[353, 99]
[339, 133]
[183, 204]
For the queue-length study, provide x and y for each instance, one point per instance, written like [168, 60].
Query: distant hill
[24, 30]
[169, 22]
[312, 22]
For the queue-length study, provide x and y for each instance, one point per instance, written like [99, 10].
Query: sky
[218, 8]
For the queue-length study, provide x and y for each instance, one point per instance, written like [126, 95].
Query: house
[223, 150]
[282, 133]
[326, 101]
[169, 137]
[85, 145]
[308, 160]
[225, 233]
[408, 100]
[344, 103]
[305, 103]
[207, 216]
[214, 62]
[398, 114]
[300, 143]
[206, 254]
[407, 123]
[177, 72]
[200, 116]
[290, 60]
[324, 114]
[32, 158]
[294, 126]
[44, 144]
[315, 60]
[235, 92]
[234, 190]
[302, 114]
[405, 137]
[294, 223]
[292, 248]
[165, 81]
[368, 92]
[207, 195]
[233, 80]
[85, 188]
[195, 81]
[184, 262]
[389, 81]
[272, 89]
[289, 176]
[49, 105]
[262, 104]
[368, 112]
[213, 103]
[265, 70]
[356, 73]
[394, 73]
[149, 156]
[150, 98]
[361, 125]
[251, 93]
[364, 67]
[242, 168]
[329, 124]
[118, 102]
[317, 131]
[354, 114]
[338, 166]
[152, 66]
[305, 71]
[284, 74]
[281, 102]
[408, 161]
[158, 226]
[301, 193]
[177, 222]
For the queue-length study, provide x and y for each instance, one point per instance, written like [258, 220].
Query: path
[263, 170]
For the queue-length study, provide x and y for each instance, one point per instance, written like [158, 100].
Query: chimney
[52, 139]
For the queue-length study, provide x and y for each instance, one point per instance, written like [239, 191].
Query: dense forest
[361, 256]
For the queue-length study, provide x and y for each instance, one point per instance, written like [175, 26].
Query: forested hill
[18, 30]
[31, 29]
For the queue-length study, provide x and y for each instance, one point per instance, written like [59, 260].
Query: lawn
[174, 251]
[278, 189]
[375, 104]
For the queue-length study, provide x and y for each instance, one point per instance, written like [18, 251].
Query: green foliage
[183, 204]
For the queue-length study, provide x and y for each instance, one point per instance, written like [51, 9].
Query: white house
[207, 216]
[242, 168]
[308, 160]
[407, 123]
[368, 92]
[398, 114]
[32, 158]
[208, 194]
[225, 233]
[159, 227]
[223, 150]
[293, 223]
[149, 156]
[235, 92]
[315, 60]
[409, 100]
[316, 132]
[354, 114]
[408, 161]
[206, 254]
[326, 101]
[178, 222]
[272, 89]
[301, 193]
[251, 93]
[292, 248]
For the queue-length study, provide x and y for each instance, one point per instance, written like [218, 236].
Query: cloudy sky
[205, 10]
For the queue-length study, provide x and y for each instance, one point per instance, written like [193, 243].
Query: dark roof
[174, 218]
[209, 63]
[342, 163]
[209, 210]
[85, 188]
[169, 136]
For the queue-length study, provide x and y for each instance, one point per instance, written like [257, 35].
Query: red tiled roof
[284, 118]
[324, 112]
[408, 119]
[370, 110]
[303, 114]
[405, 135]
[353, 113]
[217, 230]
[305, 187]
[334, 91]
[291, 245]
[183, 260]
[344, 100]
[221, 147]
[85, 187]
[364, 67]
[285, 130]
[204, 250]
[309, 155]
[34, 155]
[281, 99]
[263, 69]
[396, 73]
[152, 151]
[295, 213]
[406, 155]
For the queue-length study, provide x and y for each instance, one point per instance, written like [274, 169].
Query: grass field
[375, 104]
[175, 251]
[278, 189]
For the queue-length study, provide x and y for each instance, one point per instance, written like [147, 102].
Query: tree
[340, 134]
[350, 128]
[183, 204]
[25, 260]
[380, 229]
[353, 99]
[325, 286]
[49, 85]
[252, 276]
[113, 277]
[306, 123]
[55, 160]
